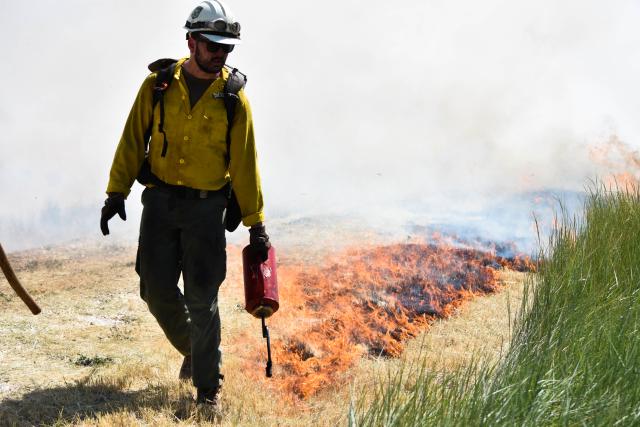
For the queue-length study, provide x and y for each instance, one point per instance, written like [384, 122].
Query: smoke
[425, 112]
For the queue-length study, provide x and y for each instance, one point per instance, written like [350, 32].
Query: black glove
[259, 241]
[113, 205]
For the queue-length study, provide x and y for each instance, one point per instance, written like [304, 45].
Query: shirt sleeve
[130, 152]
[243, 167]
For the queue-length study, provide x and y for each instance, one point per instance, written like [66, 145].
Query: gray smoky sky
[369, 109]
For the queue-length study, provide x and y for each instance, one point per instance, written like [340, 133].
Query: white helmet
[214, 20]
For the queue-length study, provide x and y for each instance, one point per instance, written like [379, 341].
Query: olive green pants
[185, 236]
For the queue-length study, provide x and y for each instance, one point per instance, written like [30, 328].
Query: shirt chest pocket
[211, 124]
[175, 116]
[208, 145]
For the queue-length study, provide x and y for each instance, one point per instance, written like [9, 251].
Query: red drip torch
[261, 291]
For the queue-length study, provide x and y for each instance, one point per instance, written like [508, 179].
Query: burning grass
[370, 302]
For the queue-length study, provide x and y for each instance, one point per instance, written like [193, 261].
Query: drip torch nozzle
[265, 334]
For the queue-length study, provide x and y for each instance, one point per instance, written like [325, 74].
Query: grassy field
[574, 358]
[96, 357]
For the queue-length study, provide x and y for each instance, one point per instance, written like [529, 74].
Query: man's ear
[192, 44]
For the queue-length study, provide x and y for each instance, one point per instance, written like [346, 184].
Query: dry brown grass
[95, 356]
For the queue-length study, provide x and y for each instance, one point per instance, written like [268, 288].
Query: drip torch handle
[265, 334]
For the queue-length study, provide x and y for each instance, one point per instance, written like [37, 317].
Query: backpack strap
[235, 82]
[164, 69]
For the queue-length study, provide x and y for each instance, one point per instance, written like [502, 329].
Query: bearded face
[209, 62]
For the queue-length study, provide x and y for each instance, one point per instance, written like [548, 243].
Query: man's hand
[113, 205]
[259, 241]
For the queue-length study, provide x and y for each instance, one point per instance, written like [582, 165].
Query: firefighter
[182, 229]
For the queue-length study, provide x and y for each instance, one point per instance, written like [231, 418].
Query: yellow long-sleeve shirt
[196, 144]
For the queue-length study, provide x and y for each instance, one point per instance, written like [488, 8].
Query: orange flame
[621, 162]
[369, 302]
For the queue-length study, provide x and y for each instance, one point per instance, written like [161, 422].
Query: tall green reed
[574, 358]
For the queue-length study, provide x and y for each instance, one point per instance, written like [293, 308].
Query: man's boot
[208, 396]
[185, 369]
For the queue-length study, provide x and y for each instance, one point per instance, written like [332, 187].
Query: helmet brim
[220, 39]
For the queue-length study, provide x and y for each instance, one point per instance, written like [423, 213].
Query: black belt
[181, 192]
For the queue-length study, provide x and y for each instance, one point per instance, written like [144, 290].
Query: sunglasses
[212, 46]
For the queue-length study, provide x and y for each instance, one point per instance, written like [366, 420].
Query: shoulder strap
[234, 84]
[164, 69]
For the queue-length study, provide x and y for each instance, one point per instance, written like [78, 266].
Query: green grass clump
[574, 358]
